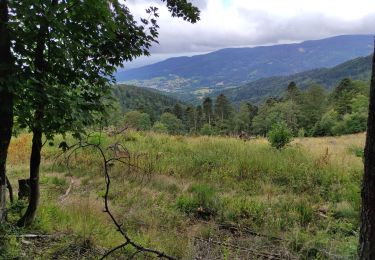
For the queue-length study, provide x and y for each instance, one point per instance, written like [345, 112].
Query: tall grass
[306, 194]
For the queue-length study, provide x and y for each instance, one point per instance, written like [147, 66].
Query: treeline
[310, 112]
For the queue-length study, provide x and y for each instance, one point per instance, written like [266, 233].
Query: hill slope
[237, 66]
[359, 68]
[151, 101]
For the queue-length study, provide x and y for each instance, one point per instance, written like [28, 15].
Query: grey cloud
[268, 30]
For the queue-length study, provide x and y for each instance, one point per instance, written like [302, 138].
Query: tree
[67, 70]
[207, 110]
[6, 100]
[253, 111]
[178, 112]
[223, 108]
[273, 113]
[325, 126]
[292, 92]
[199, 117]
[312, 105]
[159, 127]
[207, 129]
[367, 230]
[191, 120]
[171, 122]
[242, 119]
[279, 135]
[137, 120]
[341, 97]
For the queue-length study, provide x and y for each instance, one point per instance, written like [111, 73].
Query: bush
[202, 202]
[172, 123]
[207, 130]
[137, 120]
[279, 135]
[159, 127]
[357, 151]
[301, 133]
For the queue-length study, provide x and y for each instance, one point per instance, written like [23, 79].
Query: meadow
[194, 198]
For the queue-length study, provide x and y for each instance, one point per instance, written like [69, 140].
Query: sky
[248, 23]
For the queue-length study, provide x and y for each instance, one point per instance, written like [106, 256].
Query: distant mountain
[357, 69]
[151, 101]
[201, 74]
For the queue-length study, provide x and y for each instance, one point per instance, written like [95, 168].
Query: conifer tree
[223, 108]
[191, 122]
[178, 111]
[207, 110]
[199, 117]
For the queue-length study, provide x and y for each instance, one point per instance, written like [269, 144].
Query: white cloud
[234, 23]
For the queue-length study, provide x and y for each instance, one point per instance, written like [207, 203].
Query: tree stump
[24, 189]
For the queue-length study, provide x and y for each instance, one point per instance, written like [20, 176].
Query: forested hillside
[237, 66]
[312, 111]
[150, 101]
[356, 69]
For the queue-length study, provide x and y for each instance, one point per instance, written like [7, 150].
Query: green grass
[197, 187]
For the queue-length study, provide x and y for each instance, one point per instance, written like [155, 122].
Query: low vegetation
[194, 197]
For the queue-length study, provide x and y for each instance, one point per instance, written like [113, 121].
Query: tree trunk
[10, 190]
[35, 158]
[6, 124]
[37, 128]
[367, 231]
[24, 189]
[6, 103]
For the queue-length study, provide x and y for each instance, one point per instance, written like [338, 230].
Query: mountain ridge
[356, 69]
[233, 67]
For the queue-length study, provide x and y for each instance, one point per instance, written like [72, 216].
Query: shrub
[159, 127]
[137, 120]
[172, 123]
[357, 151]
[279, 135]
[202, 202]
[207, 130]
[301, 133]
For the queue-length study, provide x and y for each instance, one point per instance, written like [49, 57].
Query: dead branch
[107, 163]
[63, 197]
[119, 132]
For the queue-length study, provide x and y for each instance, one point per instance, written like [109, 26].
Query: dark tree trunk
[24, 189]
[35, 158]
[37, 129]
[6, 124]
[10, 189]
[6, 103]
[367, 232]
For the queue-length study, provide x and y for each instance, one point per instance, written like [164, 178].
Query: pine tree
[199, 117]
[292, 92]
[207, 110]
[341, 97]
[253, 111]
[191, 122]
[223, 108]
[178, 111]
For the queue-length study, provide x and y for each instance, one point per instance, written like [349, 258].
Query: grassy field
[196, 198]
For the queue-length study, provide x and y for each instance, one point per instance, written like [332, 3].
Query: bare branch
[107, 163]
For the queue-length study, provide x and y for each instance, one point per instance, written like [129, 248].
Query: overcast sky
[237, 23]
